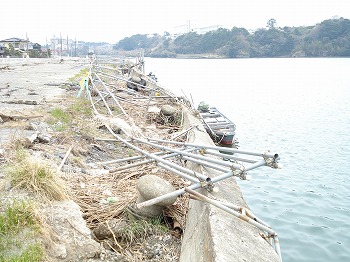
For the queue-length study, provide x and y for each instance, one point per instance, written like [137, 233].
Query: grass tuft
[18, 217]
[139, 229]
[38, 177]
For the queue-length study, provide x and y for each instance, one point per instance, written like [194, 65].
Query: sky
[112, 20]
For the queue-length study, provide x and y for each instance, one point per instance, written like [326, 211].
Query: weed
[61, 115]
[37, 177]
[60, 119]
[33, 252]
[79, 75]
[131, 152]
[81, 107]
[139, 229]
[16, 218]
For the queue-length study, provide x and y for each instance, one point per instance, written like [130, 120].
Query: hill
[330, 38]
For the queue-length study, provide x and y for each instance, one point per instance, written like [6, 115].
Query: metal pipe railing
[111, 94]
[196, 156]
[196, 186]
[146, 162]
[270, 232]
[224, 149]
[159, 159]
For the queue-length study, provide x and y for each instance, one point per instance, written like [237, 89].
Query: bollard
[149, 187]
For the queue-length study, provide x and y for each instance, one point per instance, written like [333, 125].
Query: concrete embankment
[212, 234]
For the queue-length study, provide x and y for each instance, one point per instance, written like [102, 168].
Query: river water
[300, 109]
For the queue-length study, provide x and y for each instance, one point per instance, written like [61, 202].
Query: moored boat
[221, 129]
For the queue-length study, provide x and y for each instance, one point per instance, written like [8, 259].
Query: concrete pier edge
[211, 234]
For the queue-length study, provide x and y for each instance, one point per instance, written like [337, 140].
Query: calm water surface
[299, 108]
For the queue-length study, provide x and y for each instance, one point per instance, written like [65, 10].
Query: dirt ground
[28, 95]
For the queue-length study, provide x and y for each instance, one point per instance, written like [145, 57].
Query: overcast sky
[112, 20]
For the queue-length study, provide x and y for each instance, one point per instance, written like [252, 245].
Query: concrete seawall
[212, 234]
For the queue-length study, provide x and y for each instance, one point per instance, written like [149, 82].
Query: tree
[271, 23]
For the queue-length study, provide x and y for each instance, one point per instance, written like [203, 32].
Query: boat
[221, 129]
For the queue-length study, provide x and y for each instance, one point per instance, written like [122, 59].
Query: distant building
[36, 46]
[61, 46]
[203, 30]
[17, 43]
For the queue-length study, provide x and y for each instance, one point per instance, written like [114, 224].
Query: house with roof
[17, 43]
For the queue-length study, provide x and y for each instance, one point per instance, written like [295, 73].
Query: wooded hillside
[330, 38]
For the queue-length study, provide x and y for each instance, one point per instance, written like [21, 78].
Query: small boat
[221, 129]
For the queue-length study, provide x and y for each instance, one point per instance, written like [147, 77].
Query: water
[299, 108]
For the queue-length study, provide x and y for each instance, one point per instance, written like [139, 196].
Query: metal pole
[225, 149]
[203, 163]
[179, 192]
[159, 159]
[104, 101]
[245, 218]
[215, 161]
[111, 94]
[207, 152]
[149, 161]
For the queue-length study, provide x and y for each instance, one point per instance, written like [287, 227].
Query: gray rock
[168, 110]
[116, 227]
[136, 79]
[58, 251]
[65, 219]
[44, 138]
[39, 126]
[151, 186]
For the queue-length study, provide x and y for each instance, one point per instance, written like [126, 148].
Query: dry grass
[89, 192]
[35, 176]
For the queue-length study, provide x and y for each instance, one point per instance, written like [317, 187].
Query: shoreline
[213, 242]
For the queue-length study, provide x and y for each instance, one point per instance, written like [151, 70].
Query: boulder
[149, 187]
[168, 110]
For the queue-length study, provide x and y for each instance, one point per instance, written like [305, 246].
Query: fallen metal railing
[203, 157]
[243, 214]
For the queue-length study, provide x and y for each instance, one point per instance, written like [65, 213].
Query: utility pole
[47, 49]
[67, 46]
[75, 51]
[61, 43]
[27, 42]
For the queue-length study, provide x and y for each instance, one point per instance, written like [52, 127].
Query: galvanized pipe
[207, 152]
[179, 173]
[231, 211]
[146, 162]
[183, 132]
[225, 149]
[245, 218]
[127, 101]
[90, 98]
[159, 159]
[104, 101]
[244, 210]
[111, 94]
[204, 163]
[215, 161]
[115, 161]
[105, 67]
[179, 192]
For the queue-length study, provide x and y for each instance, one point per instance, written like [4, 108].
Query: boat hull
[219, 127]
